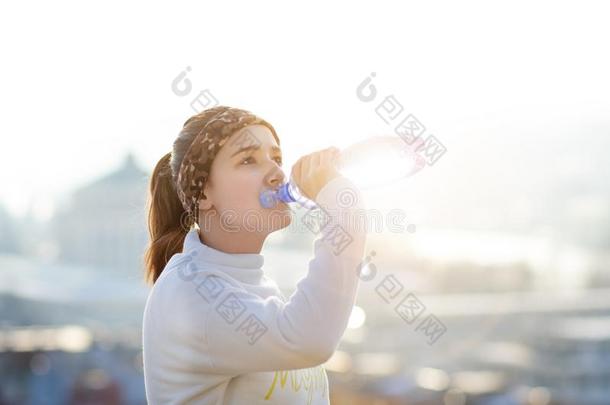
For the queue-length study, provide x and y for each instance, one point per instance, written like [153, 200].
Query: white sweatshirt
[216, 330]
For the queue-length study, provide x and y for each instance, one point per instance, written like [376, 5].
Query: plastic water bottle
[372, 162]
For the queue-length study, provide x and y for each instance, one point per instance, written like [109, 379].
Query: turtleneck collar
[244, 267]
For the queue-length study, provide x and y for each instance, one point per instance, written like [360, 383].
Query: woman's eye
[277, 159]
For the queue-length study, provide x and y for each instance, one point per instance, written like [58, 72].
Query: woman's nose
[276, 177]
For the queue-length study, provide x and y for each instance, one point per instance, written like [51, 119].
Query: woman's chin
[278, 222]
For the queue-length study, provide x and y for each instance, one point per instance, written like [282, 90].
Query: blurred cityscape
[497, 315]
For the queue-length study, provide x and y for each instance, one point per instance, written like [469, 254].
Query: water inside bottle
[380, 160]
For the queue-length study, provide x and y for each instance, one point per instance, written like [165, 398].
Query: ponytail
[165, 214]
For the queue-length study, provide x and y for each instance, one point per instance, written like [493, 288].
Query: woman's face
[248, 163]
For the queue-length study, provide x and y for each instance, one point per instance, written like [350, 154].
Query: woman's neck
[232, 242]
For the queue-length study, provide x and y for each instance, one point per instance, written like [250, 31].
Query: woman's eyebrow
[254, 147]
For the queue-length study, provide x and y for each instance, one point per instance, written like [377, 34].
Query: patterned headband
[220, 123]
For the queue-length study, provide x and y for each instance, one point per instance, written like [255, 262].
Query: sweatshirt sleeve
[245, 333]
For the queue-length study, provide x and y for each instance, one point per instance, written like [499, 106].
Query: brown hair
[166, 214]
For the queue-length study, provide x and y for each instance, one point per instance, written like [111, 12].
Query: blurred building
[104, 225]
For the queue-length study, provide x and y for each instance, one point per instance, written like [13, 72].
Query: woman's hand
[311, 172]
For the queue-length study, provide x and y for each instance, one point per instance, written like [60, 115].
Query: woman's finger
[314, 163]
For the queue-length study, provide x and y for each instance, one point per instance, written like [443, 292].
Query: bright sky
[82, 83]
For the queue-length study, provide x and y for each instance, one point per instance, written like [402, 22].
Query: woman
[216, 330]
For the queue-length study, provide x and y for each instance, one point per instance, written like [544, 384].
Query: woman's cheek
[245, 195]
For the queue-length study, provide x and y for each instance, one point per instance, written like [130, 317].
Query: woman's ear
[205, 204]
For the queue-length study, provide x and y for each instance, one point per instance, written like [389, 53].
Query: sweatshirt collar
[244, 267]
